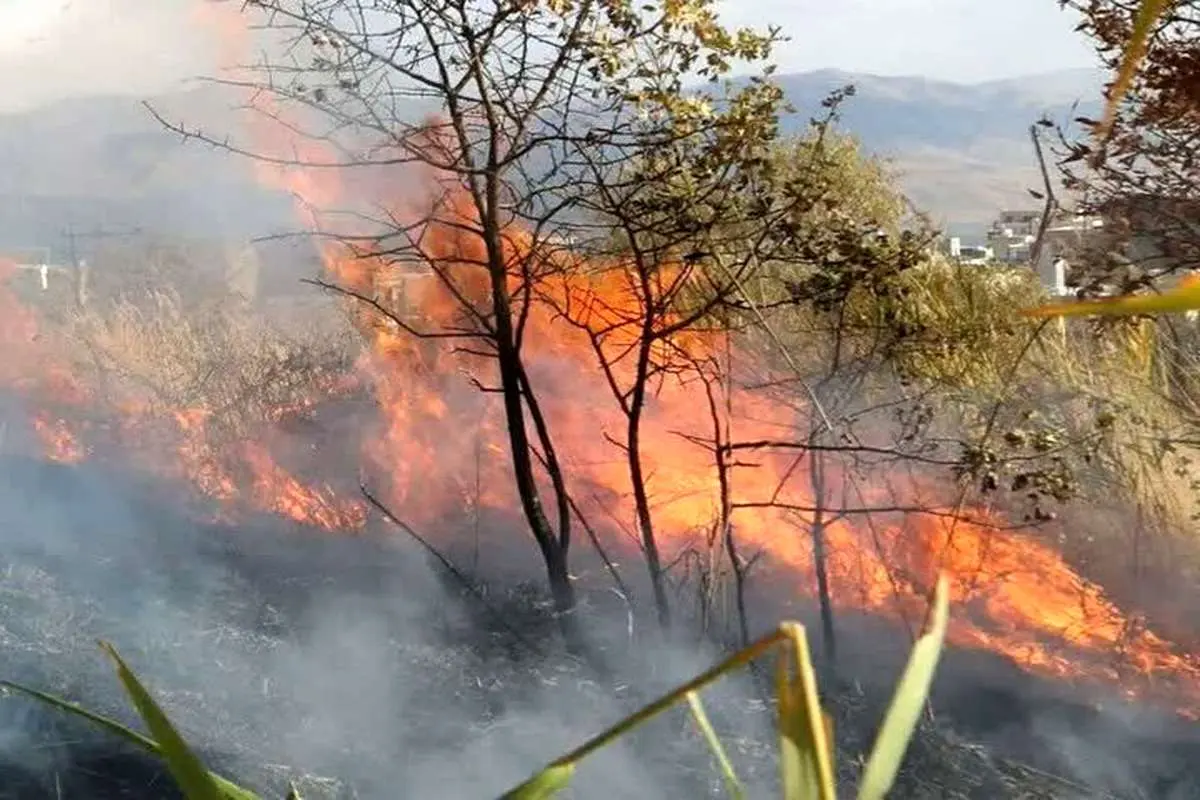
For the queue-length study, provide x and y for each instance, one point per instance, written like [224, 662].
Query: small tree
[1142, 176]
[538, 104]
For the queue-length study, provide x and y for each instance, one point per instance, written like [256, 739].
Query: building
[1068, 237]
[974, 255]
[1012, 236]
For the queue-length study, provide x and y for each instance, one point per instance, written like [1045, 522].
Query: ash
[353, 667]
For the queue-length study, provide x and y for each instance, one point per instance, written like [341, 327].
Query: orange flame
[444, 447]
[58, 441]
[31, 367]
[1015, 595]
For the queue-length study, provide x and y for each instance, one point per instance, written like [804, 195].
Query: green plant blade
[797, 780]
[128, 734]
[547, 783]
[1148, 13]
[905, 710]
[805, 762]
[714, 743]
[1184, 297]
[229, 790]
[193, 778]
[555, 771]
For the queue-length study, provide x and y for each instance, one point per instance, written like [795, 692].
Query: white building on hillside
[1012, 235]
[1067, 236]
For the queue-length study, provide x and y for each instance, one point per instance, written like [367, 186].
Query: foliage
[196, 782]
[523, 138]
[1136, 167]
[804, 729]
[1126, 37]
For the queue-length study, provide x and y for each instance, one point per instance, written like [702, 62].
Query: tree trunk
[553, 549]
[645, 519]
[821, 567]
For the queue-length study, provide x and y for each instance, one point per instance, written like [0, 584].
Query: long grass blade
[229, 790]
[806, 763]
[1148, 14]
[714, 743]
[546, 784]
[191, 775]
[564, 766]
[109, 724]
[1182, 298]
[905, 710]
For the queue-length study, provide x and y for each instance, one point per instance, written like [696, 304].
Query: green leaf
[229, 790]
[714, 744]
[797, 781]
[1148, 13]
[1184, 297]
[805, 760]
[128, 734]
[555, 776]
[547, 783]
[905, 710]
[193, 778]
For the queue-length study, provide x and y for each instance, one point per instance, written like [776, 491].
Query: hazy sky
[51, 48]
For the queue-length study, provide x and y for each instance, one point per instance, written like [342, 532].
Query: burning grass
[255, 690]
[216, 392]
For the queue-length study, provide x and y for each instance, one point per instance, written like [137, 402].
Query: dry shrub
[1080, 428]
[1099, 403]
[218, 355]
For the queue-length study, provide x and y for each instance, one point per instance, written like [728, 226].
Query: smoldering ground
[355, 665]
[273, 645]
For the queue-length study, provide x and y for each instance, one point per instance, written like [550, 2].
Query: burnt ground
[357, 669]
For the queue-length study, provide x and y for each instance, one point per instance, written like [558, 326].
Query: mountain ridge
[961, 151]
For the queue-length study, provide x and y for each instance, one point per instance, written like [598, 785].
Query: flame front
[443, 446]
[65, 415]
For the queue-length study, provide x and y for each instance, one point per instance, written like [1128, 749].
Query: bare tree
[528, 98]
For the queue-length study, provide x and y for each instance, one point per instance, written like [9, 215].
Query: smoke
[272, 645]
[53, 50]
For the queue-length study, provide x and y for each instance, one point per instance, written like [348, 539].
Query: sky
[55, 48]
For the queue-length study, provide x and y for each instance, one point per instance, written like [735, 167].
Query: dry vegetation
[166, 345]
[803, 260]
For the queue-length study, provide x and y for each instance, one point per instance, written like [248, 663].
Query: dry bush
[1080, 428]
[221, 356]
[1098, 405]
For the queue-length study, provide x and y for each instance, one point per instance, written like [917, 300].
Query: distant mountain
[962, 152]
[105, 163]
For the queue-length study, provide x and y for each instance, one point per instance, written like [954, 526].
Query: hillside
[961, 152]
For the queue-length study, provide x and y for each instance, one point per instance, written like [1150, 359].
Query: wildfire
[59, 443]
[443, 445]
[244, 478]
[1013, 594]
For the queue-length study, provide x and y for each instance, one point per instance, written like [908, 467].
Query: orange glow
[1013, 594]
[245, 480]
[443, 447]
[58, 442]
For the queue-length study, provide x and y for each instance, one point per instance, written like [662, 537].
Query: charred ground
[356, 657]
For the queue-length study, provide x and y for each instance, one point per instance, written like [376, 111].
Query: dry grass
[219, 355]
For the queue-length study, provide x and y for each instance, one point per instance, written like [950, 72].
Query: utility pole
[80, 265]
